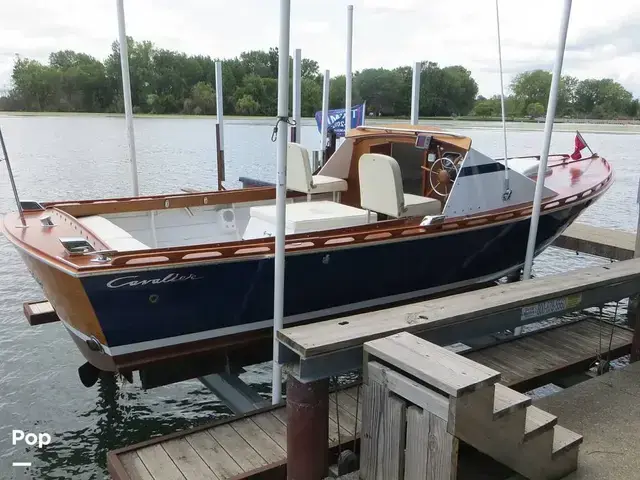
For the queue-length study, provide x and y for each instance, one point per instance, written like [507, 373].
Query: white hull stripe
[221, 332]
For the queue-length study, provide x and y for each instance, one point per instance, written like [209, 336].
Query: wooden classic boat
[397, 212]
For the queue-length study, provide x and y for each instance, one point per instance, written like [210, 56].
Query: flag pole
[281, 192]
[585, 142]
[548, 129]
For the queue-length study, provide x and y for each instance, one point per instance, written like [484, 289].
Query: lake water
[81, 157]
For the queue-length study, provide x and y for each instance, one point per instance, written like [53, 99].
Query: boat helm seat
[299, 178]
[381, 189]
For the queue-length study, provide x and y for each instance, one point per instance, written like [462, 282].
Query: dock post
[307, 429]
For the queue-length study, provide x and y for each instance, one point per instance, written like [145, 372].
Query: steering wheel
[442, 174]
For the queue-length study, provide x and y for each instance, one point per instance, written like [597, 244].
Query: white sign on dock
[550, 306]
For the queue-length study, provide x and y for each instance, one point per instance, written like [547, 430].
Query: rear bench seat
[111, 235]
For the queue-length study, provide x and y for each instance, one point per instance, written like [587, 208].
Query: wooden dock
[231, 448]
[598, 241]
[541, 357]
[243, 447]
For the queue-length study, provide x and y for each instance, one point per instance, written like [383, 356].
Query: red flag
[580, 144]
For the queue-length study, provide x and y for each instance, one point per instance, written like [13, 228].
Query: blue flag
[336, 119]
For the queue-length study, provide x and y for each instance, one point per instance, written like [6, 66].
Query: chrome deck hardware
[77, 246]
[46, 221]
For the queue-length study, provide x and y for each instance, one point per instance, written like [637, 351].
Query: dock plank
[135, 468]
[159, 464]
[187, 460]
[216, 457]
[259, 440]
[236, 446]
[273, 427]
[355, 330]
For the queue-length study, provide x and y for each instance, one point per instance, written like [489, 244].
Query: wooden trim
[159, 202]
[396, 229]
[306, 242]
[116, 468]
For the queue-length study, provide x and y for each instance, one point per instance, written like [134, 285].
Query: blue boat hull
[152, 309]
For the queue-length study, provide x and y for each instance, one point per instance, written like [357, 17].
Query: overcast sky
[603, 40]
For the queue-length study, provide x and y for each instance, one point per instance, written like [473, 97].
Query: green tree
[337, 88]
[535, 110]
[484, 108]
[379, 88]
[36, 84]
[459, 90]
[603, 98]
[311, 94]
[203, 98]
[247, 105]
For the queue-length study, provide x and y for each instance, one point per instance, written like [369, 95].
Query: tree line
[591, 98]
[165, 81]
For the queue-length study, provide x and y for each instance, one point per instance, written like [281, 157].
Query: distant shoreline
[468, 122]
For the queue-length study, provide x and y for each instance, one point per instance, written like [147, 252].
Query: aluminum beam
[237, 395]
[347, 360]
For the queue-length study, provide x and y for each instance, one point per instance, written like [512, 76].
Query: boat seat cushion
[324, 184]
[111, 235]
[299, 178]
[417, 206]
[381, 189]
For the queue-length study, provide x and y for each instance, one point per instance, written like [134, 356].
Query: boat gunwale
[397, 230]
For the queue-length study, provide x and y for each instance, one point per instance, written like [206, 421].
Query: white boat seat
[299, 178]
[111, 235]
[381, 189]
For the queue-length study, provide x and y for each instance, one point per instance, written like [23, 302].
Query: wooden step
[564, 440]
[537, 422]
[508, 401]
[436, 366]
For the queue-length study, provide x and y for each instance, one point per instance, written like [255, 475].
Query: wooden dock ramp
[420, 400]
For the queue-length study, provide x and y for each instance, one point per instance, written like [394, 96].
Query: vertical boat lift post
[548, 130]
[415, 94]
[220, 127]
[126, 90]
[281, 191]
[296, 128]
[349, 73]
